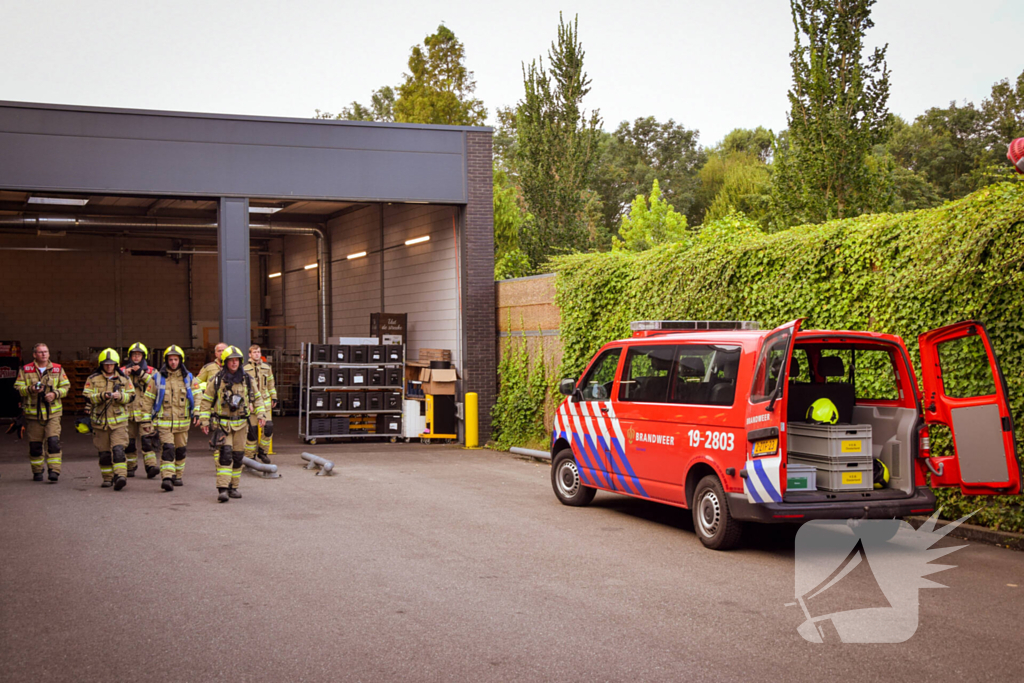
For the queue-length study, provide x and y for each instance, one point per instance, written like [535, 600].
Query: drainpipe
[104, 224]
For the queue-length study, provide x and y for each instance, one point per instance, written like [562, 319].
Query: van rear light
[924, 443]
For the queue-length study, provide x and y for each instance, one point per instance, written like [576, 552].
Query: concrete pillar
[233, 270]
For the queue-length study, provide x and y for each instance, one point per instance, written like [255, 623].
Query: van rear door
[964, 389]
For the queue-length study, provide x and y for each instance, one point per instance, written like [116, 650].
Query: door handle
[604, 410]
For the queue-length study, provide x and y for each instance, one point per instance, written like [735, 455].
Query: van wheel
[715, 527]
[565, 480]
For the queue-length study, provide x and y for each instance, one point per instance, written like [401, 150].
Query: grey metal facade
[94, 150]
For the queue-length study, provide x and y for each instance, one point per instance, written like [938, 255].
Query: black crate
[375, 354]
[320, 377]
[375, 400]
[320, 353]
[358, 378]
[339, 353]
[393, 353]
[319, 400]
[376, 377]
[339, 425]
[357, 400]
[389, 424]
[319, 426]
[392, 400]
[339, 400]
[393, 377]
[358, 354]
[339, 377]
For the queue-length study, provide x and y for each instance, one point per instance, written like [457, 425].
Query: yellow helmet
[173, 350]
[138, 346]
[230, 352]
[823, 411]
[109, 356]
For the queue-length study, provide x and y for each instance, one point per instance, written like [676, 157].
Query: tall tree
[636, 154]
[556, 148]
[381, 108]
[838, 112]
[650, 222]
[439, 88]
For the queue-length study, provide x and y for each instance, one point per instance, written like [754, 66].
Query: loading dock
[123, 225]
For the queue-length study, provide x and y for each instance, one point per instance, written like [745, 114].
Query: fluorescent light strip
[60, 201]
[274, 275]
[418, 240]
[360, 254]
[264, 209]
[311, 266]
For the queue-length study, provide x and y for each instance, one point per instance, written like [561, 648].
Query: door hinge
[1007, 427]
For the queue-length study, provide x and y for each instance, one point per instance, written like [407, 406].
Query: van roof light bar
[692, 325]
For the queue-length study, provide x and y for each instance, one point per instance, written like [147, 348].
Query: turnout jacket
[108, 413]
[214, 409]
[264, 376]
[140, 380]
[170, 399]
[209, 371]
[53, 378]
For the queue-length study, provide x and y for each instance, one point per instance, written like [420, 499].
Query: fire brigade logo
[631, 434]
[879, 564]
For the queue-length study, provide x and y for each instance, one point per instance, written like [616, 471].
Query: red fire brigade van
[705, 415]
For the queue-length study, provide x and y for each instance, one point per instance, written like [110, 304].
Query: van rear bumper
[923, 501]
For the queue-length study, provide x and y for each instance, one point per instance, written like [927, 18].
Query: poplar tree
[838, 112]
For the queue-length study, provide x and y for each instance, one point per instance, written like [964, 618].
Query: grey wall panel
[112, 151]
[233, 270]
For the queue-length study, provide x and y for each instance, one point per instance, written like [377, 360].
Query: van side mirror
[567, 386]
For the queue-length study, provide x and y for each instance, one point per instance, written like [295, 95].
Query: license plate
[853, 477]
[850, 447]
[765, 447]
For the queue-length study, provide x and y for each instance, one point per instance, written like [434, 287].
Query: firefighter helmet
[140, 347]
[230, 352]
[823, 411]
[109, 356]
[881, 474]
[173, 350]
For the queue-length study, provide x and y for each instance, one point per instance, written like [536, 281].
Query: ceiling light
[61, 201]
[356, 255]
[417, 240]
[264, 209]
[277, 274]
[311, 266]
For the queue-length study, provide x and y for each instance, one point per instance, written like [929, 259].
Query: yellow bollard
[472, 421]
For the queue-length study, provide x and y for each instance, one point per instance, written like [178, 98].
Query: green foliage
[634, 155]
[517, 418]
[740, 182]
[647, 225]
[902, 274]
[555, 149]
[512, 263]
[382, 103]
[837, 114]
[439, 88]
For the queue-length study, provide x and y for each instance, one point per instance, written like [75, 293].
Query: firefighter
[229, 400]
[42, 385]
[140, 429]
[169, 402]
[264, 376]
[109, 391]
[210, 370]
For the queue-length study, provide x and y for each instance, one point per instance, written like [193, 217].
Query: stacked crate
[77, 371]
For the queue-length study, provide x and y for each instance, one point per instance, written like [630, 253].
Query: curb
[980, 534]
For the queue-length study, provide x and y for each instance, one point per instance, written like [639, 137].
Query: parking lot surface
[431, 563]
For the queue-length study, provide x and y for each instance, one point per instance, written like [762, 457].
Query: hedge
[902, 274]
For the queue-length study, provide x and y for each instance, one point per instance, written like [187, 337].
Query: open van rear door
[965, 390]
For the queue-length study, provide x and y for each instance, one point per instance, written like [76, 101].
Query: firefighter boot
[131, 457]
[37, 476]
[106, 469]
[179, 465]
[222, 496]
[167, 466]
[35, 455]
[53, 457]
[224, 461]
[120, 467]
[54, 476]
[234, 493]
[262, 455]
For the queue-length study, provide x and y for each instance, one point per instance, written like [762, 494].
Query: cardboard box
[438, 382]
[435, 354]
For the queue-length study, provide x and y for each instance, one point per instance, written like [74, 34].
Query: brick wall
[477, 250]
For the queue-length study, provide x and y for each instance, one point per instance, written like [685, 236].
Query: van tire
[566, 482]
[712, 522]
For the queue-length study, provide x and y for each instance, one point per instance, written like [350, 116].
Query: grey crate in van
[857, 478]
[829, 440]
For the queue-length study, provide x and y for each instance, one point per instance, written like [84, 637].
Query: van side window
[769, 368]
[647, 374]
[874, 376]
[597, 384]
[706, 374]
[965, 368]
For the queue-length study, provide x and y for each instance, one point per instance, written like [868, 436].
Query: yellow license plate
[850, 447]
[766, 446]
[853, 477]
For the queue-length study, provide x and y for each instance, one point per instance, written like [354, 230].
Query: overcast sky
[712, 65]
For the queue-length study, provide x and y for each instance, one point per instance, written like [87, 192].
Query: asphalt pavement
[433, 563]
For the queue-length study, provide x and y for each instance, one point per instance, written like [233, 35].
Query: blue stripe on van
[629, 468]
